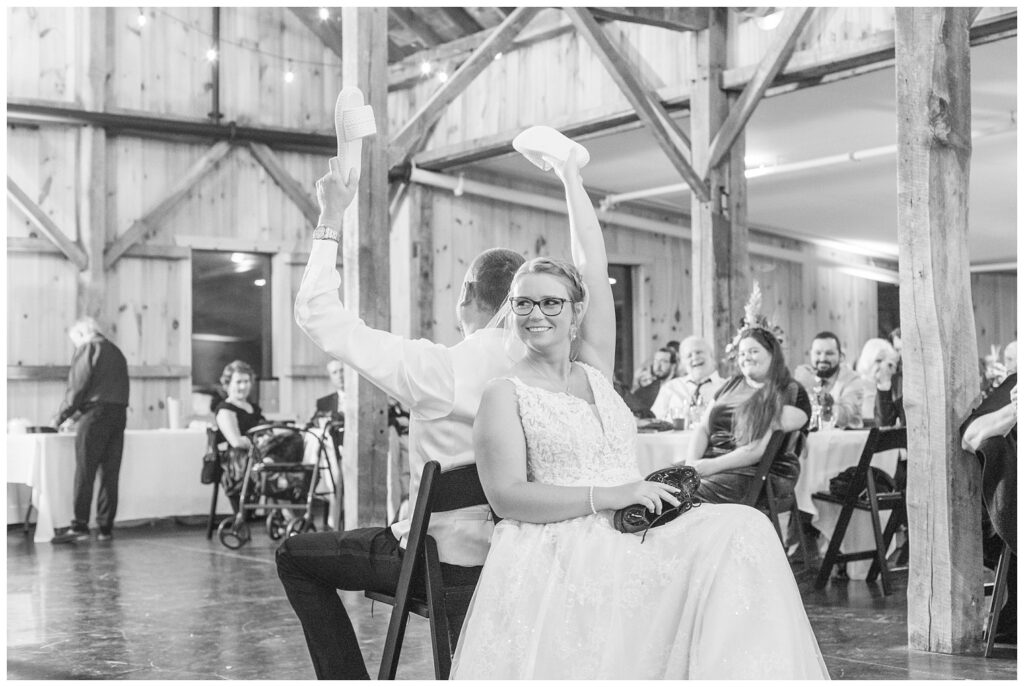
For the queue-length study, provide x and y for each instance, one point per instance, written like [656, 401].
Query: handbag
[211, 470]
[839, 485]
[636, 518]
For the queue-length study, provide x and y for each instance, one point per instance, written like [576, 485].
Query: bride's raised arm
[597, 331]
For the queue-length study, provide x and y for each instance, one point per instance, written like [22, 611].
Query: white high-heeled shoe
[547, 147]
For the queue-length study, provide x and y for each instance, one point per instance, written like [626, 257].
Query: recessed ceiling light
[260, 282]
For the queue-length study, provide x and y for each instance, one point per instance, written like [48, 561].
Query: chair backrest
[879, 440]
[780, 443]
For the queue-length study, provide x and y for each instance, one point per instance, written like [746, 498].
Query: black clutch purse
[637, 518]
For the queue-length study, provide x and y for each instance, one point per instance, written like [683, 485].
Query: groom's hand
[334, 194]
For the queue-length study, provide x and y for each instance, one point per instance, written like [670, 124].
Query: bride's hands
[648, 494]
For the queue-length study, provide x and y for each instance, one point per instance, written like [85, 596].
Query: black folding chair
[998, 591]
[761, 494]
[445, 605]
[211, 521]
[862, 494]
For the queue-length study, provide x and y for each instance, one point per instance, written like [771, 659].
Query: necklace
[546, 377]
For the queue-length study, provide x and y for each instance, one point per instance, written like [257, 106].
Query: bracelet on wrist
[325, 232]
[591, 500]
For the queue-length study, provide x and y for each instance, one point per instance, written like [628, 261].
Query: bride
[709, 595]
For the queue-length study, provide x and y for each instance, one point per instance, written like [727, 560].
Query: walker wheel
[300, 526]
[275, 525]
[232, 536]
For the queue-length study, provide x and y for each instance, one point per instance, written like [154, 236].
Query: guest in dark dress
[735, 430]
[236, 416]
[990, 432]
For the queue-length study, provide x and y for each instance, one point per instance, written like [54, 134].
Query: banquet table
[828, 453]
[159, 476]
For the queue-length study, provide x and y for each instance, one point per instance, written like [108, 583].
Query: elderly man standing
[332, 406]
[831, 383]
[695, 388]
[97, 395]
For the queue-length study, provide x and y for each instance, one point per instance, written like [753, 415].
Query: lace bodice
[566, 443]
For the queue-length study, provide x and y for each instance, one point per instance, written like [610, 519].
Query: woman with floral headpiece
[735, 429]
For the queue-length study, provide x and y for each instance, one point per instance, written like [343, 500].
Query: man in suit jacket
[332, 406]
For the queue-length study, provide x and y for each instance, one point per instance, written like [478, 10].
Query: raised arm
[588, 253]
[417, 373]
[500, 448]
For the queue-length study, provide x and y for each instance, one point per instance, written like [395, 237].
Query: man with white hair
[696, 387]
[96, 401]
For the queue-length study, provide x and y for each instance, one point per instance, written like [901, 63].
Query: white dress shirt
[679, 393]
[441, 386]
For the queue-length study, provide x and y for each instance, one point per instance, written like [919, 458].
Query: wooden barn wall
[802, 298]
[995, 309]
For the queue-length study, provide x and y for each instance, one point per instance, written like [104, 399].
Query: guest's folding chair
[445, 606]
[862, 494]
[998, 591]
[761, 494]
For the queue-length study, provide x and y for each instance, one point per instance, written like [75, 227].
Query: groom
[441, 386]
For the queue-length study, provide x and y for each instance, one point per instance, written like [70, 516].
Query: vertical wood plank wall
[161, 69]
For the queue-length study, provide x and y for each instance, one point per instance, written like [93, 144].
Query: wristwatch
[325, 232]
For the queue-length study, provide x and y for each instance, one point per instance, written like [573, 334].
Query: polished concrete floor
[162, 602]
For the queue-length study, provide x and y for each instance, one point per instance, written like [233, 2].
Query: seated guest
[735, 430]
[649, 379]
[990, 432]
[695, 388]
[235, 416]
[995, 372]
[332, 406]
[878, 366]
[834, 384]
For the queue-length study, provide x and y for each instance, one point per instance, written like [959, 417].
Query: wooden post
[720, 262]
[93, 50]
[940, 354]
[366, 260]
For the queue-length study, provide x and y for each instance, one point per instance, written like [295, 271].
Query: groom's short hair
[489, 277]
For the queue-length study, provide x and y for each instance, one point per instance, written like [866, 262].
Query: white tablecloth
[159, 476]
[828, 453]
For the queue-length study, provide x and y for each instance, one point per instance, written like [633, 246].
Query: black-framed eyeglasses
[549, 306]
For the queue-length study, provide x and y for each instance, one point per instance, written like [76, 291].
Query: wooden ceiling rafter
[672, 18]
[141, 227]
[46, 226]
[673, 142]
[412, 134]
[774, 61]
[462, 19]
[421, 29]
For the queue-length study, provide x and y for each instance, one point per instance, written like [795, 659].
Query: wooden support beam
[720, 261]
[292, 188]
[973, 16]
[405, 141]
[462, 19]
[675, 18]
[805, 70]
[46, 226]
[793, 23]
[940, 375]
[149, 222]
[366, 275]
[412, 21]
[666, 132]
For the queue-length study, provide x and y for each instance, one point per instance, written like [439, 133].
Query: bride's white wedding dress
[708, 596]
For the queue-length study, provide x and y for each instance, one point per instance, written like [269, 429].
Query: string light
[426, 68]
[141, 19]
[442, 76]
[211, 55]
[498, 56]
[325, 14]
[289, 75]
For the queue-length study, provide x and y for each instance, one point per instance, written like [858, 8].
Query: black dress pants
[313, 566]
[99, 444]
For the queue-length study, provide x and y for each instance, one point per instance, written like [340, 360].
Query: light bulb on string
[141, 19]
[426, 68]
[325, 14]
[442, 76]
[211, 55]
[289, 75]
